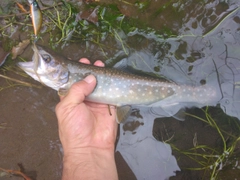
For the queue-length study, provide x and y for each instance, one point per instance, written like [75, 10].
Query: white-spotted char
[113, 87]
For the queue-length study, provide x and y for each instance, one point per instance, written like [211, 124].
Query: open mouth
[27, 66]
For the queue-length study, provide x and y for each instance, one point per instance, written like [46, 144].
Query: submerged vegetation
[206, 145]
[212, 160]
[99, 24]
[65, 23]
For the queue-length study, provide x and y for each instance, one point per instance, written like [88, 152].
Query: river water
[190, 43]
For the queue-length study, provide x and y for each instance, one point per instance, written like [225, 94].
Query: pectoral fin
[62, 92]
[122, 113]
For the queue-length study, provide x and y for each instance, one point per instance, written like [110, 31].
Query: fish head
[46, 67]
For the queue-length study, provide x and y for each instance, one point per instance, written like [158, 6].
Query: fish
[114, 86]
[36, 16]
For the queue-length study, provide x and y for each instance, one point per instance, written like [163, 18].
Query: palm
[86, 124]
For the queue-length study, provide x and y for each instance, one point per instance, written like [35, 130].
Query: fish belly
[129, 90]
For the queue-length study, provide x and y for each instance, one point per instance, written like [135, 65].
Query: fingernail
[89, 79]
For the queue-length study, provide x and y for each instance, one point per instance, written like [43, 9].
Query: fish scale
[129, 90]
[117, 87]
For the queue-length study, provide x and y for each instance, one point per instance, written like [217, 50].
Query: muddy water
[30, 137]
[199, 53]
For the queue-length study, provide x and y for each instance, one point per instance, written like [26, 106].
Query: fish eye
[46, 58]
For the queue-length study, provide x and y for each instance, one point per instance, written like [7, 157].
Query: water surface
[190, 43]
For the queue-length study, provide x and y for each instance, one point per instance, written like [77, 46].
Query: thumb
[80, 90]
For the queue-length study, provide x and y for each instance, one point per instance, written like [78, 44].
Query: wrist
[89, 163]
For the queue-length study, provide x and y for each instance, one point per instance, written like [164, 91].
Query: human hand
[87, 132]
[85, 124]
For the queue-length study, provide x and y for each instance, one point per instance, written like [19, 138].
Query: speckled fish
[36, 16]
[114, 87]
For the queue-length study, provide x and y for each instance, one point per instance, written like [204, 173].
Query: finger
[84, 60]
[79, 91]
[99, 63]
[61, 97]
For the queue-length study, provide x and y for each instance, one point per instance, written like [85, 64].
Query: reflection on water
[199, 55]
[206, 51]
[148, 158]
[190, 60]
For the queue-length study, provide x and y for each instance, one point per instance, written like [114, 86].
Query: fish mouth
[31, 66]
[26, 66]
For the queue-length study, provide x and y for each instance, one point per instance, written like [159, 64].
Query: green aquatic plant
[74, 28]
[8, 26]
[59, 19]
[212, 160]
[109, 23]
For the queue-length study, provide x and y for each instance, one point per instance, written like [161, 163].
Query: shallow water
[200, 43]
